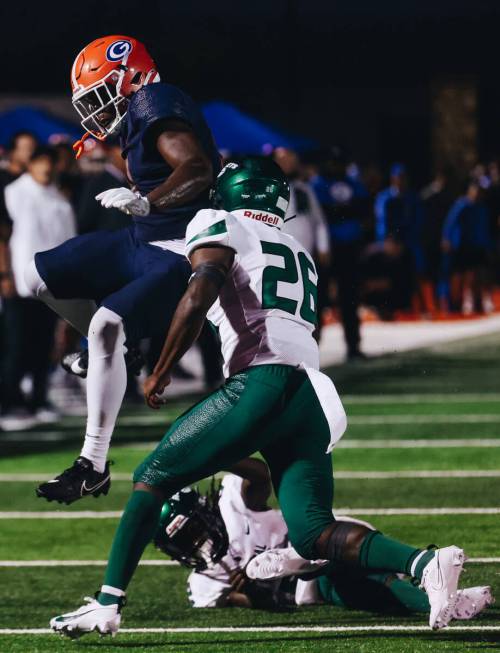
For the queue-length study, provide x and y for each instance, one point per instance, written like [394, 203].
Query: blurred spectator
[399, 217]
[492, 201]
[345, 202]
[385, 269]
[305, 221]
[21, 148]
[91, 216]
[437, 198]
[41, 218]
[68, 177]
[467, 238]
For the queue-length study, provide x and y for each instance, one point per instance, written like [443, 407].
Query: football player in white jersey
[237, 548]
[258, 287]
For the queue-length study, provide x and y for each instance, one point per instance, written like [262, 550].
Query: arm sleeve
[208, 227]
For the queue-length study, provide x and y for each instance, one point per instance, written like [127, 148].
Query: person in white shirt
[41, 218]
[305, 221]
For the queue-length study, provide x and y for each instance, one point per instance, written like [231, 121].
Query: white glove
[125, 200]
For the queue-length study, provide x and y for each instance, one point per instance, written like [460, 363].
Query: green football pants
[268, 408]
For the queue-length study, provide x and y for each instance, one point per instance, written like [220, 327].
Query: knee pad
[106, 333]
[36, 285]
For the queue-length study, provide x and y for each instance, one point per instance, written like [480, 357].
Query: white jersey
[249, 533]
[266, 310]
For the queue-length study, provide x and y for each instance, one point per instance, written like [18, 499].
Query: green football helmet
[254, 188]
[191, 529]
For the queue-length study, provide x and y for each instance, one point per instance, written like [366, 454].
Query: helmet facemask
[102, 107]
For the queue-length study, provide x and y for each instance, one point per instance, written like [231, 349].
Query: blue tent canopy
[238, 132]
[233, 130]
[42, 124]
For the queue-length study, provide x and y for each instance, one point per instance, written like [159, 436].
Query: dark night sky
[307, 65]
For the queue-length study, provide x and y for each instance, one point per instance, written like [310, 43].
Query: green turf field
[420, 460]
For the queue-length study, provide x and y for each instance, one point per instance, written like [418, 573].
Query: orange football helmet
[104, 75]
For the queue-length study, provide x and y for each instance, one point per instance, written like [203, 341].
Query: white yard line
[417, 511]
[116, 514]
[368, 475]
[452, 397]
[82, 563]
[469, 418]
[270, 629]
[145, 563]
[421, 443]
[449, 473]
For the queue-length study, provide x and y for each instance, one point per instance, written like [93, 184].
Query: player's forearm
[185, 184]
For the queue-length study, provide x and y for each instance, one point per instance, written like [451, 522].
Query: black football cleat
[77, 362]
[77, 481]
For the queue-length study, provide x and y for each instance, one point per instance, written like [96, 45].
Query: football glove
[125, 200]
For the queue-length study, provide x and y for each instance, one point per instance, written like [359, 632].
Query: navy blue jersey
[148, 169]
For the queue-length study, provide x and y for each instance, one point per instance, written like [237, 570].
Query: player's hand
[237, 580]
[124, 200]
[153, 387]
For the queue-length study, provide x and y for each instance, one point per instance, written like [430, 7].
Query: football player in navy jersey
[118, 287]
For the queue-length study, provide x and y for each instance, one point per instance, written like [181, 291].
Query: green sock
[412, 597]
[381, 552]
[135, 530]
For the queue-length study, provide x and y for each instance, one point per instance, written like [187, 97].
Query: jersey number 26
[292, 273]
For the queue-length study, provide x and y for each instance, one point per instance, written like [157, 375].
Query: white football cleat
[440, 581]
[278, 563]
[105, 619]
[472, 601]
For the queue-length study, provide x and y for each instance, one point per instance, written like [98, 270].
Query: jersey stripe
[213, 230]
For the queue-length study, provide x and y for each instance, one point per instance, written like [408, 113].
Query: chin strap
[79, 146]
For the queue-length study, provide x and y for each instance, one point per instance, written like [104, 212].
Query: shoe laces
[76, 468]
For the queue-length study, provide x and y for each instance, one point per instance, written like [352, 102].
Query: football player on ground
[258, 286]
[237, 547]
[118, 287]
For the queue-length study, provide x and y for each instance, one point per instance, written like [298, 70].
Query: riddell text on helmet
[262, 217]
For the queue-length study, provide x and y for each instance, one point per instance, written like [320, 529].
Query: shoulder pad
[208, 226]
[159, 101]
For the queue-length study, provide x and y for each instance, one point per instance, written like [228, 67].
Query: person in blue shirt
[399, 216]
[467, 240]
[344, 201]
[118, 287]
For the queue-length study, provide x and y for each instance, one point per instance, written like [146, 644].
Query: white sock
[78, 312]
[106, 383]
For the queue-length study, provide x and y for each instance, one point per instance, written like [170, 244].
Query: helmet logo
[118, 50]
[228, 166]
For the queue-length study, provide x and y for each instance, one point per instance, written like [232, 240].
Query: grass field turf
[432, 385]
